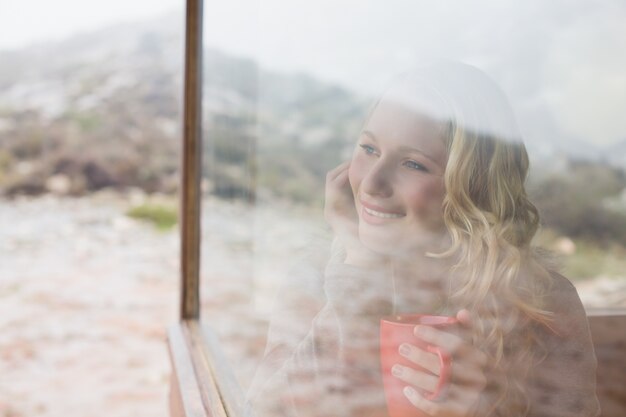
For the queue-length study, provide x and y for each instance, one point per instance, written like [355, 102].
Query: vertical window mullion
[192, 163]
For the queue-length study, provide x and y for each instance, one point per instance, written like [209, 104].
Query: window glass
[90, 135]
[443, 110]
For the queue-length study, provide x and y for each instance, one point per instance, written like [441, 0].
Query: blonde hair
[498, 276]
[491, 223]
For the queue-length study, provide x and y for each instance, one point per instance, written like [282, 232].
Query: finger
[419, 379]
[338, 168]
[339, 195]
[467, 371]
[421, 358]
[464, 317]
[463, 377]
[341, 178]
[449, 342]
[429, 407]
[332, 174]
[452, 403]
[455, 346]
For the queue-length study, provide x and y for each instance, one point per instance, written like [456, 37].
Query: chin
[402, 242]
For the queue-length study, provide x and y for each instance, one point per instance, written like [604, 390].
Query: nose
[378, 180]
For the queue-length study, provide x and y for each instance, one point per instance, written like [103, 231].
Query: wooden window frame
[202, 382]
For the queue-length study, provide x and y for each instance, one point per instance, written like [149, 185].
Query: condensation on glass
[442, 112]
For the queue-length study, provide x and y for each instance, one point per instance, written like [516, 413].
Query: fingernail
[396, 370]
[409, 392]
[419, 330]
[404, 349]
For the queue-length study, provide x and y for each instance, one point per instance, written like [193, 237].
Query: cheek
[426, 199]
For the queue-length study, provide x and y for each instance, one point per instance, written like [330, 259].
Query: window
[287, 90]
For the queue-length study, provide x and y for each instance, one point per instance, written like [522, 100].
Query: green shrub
[161, 216]
[6, 164]
[590, 261]
[586, 259]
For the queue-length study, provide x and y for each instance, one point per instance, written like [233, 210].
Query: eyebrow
[403, 148]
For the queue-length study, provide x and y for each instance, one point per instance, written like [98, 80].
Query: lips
[375, 214]
[381, 214]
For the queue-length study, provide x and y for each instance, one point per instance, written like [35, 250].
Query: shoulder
[550, 293]
[562, 296]
[561, 291]
[564, 376]
[568, 315]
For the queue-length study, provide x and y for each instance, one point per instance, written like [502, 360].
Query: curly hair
[498, 275]
[500, 278]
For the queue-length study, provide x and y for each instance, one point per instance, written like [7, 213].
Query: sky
[23, 22]
[567, 55]
[562, 61]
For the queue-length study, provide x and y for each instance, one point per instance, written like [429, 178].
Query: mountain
[616, 154]
[104, 109]
[113, 99]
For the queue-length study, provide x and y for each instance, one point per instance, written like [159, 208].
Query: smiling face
[396, 175]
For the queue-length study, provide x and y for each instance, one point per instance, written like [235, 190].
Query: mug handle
[445, 363]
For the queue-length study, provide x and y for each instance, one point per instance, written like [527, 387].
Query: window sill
[202, 383]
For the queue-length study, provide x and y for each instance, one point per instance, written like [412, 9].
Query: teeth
[382, 215]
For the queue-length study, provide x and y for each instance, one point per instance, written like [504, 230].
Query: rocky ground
[86, 295]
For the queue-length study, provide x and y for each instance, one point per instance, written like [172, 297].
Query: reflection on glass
[430, 216]
[329, 206]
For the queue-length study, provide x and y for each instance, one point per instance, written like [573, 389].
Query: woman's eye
[415, 165]
[368, 149]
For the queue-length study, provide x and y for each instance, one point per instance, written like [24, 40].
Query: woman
[431, 216]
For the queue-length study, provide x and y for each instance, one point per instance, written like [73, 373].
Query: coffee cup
[399, 329]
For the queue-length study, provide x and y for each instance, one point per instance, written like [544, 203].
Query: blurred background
[90, 138]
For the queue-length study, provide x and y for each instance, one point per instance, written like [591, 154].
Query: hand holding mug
[440, 372]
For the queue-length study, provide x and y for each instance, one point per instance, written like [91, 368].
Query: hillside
[103, 109]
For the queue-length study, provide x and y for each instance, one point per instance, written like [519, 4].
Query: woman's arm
[564, 382]
[297, 302]
[334, 369]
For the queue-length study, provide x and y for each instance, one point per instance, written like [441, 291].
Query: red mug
[399, 329]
